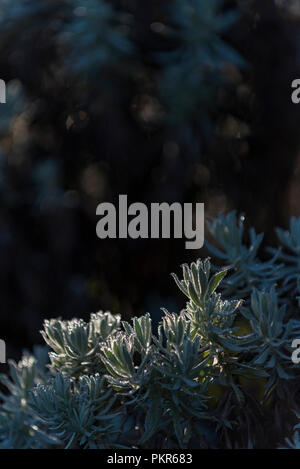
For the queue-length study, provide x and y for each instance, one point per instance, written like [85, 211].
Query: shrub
[215, 375]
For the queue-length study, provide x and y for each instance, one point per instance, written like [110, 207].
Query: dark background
[74, 134]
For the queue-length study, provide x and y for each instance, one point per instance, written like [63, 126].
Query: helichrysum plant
[215, 375]
[241, 256]
[289, 254]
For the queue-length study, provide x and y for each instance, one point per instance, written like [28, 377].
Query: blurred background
[180, 100]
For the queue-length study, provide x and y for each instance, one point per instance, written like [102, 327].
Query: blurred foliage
[191, 72]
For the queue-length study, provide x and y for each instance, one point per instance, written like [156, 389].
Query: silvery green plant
[158, 376]
[273, 338]
[212, 319]
[75, 344]
[289, 254]
[20, 427]
[117, 384]
[79, 412]
[294, 441]
[241, 257]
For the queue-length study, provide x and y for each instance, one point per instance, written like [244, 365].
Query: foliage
[241, 257]
[192, 72]
[294, 441]
[96, 42]
[96, 39]
[290, 244]
[81, 71]
[75, 344]
[165, 75]
[275, 335]
[210, 377]
[20, 427]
